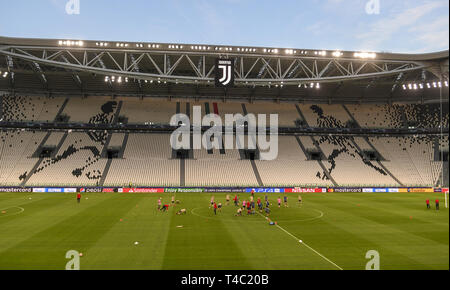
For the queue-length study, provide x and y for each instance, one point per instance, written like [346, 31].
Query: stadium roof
[74, 67]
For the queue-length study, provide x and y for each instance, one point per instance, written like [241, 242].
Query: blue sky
[410, 26]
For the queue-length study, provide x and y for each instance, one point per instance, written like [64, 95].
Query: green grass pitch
[36, 231]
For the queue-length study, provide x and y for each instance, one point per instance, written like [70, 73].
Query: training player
[173, 200]
[239, 212]
[267, 211]
[78, 197]
[212, 201]
[267, 203]
[159, 204]
[285, 201]
[219, 206]
[244, 204]
[437, 204]
[249, 207]
[300, 200]
[428, 204]
[252, 203]
[215, 208]
[279, 201]
[228, 199]
[181, 211]
[236, 200]
[260, 206]
[165, 207]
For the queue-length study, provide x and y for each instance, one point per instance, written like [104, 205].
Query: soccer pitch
[337, 230]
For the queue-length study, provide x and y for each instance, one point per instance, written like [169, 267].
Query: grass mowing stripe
[303, 243]
[201, 243]
[39, 237]
[394, 243]
[431, 220]
[76, 231]
[339, 235]
[16, 201]
[39, 215]
[142, 223]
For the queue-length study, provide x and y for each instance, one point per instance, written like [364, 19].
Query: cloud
[433, 35]
[385, 29]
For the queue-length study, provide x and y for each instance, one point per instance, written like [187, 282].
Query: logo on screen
[224, 72]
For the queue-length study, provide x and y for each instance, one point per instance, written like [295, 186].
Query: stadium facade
[96, 113]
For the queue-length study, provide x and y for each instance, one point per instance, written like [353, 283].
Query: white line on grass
[303, 243]
[21, 210]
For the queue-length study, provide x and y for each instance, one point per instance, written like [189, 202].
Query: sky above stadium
[410, 26]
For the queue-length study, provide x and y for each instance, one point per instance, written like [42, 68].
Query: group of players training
[248, 205]
[165, 207]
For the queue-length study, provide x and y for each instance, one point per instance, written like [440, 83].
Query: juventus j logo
[224, 73]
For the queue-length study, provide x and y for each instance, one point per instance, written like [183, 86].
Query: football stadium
[174, 156]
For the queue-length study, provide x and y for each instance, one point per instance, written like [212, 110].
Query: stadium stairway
[216, 111]
[182, 172]
[371, 146]
[105, 147]
[444, 178]
[325, 170]
[253, 163]
[38, 162]
[117, 113]
[63, 107]
[60, 144]
[110, 160]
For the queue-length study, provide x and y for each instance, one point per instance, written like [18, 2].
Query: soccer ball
[301, 241]
[136, 243]
[81, 254]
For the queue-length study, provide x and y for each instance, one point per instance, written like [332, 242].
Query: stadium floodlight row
[149, 69]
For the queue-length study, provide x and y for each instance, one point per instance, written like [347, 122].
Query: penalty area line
[306, 245]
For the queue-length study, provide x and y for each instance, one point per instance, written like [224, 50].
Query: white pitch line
[303, 243]
[21, 210]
